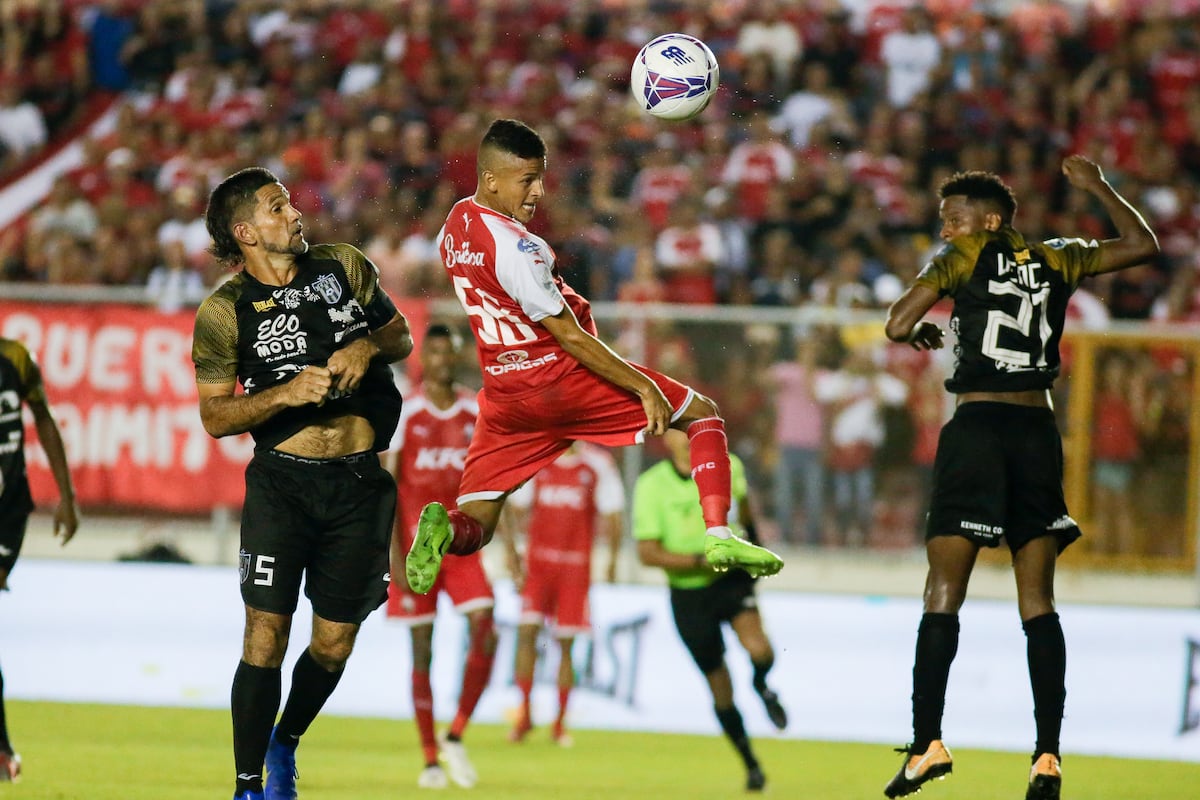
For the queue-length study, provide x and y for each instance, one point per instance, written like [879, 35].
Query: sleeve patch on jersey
[1062, 242]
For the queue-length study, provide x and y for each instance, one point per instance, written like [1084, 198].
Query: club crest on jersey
[328, 287]
[243, 566]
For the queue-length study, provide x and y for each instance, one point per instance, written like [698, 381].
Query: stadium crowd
[810, 180]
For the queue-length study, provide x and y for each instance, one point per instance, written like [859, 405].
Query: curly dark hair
[985, 187]
[232, 202]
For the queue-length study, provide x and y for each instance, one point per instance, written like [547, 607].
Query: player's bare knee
[265, 638]
[331, 656]
[944, 597]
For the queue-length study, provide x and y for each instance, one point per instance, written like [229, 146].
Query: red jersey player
[547, 379]
[426, 456]
[564, 501]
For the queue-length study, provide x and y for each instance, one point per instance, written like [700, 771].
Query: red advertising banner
[119, 379]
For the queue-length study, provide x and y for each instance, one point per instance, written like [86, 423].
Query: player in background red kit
[562, 510]
[426, 456]
[547, 379]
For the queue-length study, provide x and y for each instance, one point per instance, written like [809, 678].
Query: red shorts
[558, 594]
[462, 578]
[513, 440]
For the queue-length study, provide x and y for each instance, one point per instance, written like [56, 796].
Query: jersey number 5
[496, 326]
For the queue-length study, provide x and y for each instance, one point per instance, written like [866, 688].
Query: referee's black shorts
[329, 520]
[998, 474]
[700, 612]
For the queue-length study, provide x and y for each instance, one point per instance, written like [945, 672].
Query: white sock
[721, 532]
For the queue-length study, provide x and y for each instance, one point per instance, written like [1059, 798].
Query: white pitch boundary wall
[170, 635]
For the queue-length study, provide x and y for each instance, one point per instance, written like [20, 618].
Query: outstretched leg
[708, 450]
[440, 531]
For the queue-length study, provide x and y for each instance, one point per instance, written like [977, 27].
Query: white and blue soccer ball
[674, 76]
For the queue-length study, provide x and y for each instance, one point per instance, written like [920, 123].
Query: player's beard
[296, 246]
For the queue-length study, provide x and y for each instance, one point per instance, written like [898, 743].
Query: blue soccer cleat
[281, 770]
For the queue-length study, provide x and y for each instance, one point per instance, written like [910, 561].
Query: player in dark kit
[998, 470]
[547, 379]
[309, 334]
[21, 383]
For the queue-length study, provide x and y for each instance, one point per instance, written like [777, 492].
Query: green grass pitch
[93, 752]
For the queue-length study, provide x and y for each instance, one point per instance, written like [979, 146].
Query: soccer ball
[674, 76]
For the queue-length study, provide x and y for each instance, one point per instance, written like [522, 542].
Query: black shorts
[700, 612]
[998, 473]
[331, 519]
[15, 507]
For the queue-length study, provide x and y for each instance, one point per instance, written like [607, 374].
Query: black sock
[760, 673]
[5, 745]
[311, 687]
[1046, 650]
[937, 644]
[731, 722]
[255, 699]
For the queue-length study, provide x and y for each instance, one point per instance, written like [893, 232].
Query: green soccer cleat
[424, 559]
[723, 554]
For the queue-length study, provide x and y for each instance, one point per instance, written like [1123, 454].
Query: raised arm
[600, 359]
[1135, 242]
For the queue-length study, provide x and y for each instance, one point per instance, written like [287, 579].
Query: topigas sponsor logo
[517, 361]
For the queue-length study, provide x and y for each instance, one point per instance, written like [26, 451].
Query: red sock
[710, 468]
[476, 674]
[526, 687]
[422, 695]
[468, 533]
[564, 694]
